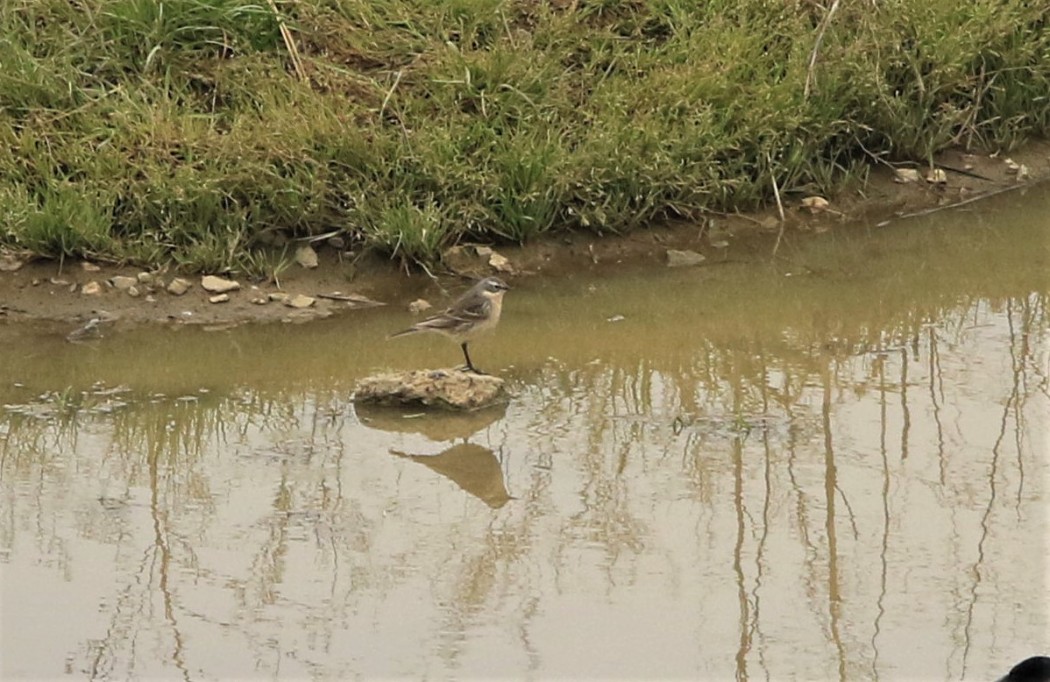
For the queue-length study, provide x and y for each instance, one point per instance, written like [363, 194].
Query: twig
[289, 42]
[780, 205]
[390, 93]
[957, 204]
[816, 48]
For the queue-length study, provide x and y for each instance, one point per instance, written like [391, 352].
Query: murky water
[830, 467]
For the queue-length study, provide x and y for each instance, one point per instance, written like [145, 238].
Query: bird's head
[492, 286]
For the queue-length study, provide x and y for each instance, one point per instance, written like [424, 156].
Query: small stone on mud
[179, 286]
[500, 263]
[278, 296]
[815, 204]
[92, 288]
[150, 299]
[419, 305]
[260, 300]
[134, 292]
[300, 301]
[89, 267]
[905, 175]
[144, 277]
[122, 283]
[219, 285]
[678, 259]
[219, 298]
[306, 256]
[442, 388]
[9, 262]
[936, 176]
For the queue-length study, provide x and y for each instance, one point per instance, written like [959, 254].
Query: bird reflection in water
[474, 468]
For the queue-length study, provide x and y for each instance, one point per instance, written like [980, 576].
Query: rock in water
[678, 259]
[443, 388]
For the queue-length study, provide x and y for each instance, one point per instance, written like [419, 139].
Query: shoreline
[52, 291]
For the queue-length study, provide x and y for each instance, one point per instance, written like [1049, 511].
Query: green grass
[177, 131]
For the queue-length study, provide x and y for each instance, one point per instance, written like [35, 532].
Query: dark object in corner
[1034, 669]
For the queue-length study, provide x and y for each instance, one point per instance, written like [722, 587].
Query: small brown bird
[471, 315]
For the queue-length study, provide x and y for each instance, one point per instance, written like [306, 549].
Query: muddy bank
[86, 298]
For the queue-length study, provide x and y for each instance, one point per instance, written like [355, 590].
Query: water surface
[828, 466]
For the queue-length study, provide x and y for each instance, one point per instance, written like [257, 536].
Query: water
[830, 466]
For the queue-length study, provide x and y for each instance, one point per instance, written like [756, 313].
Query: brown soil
[49, 290]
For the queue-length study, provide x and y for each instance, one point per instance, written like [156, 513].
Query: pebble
[219, 285]
[677, 259]
[936, 176]
[306, 256]
[92, 288]
[123, 283]
[419, 305]
[179, 286]
[144, 277]
[89, 267]
[278, 296]
[134, 292]
[300, 301]
[219, 298]
[905, 175]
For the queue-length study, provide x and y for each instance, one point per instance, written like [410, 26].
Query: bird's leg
[470, 365]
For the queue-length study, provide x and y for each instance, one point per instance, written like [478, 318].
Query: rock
[9, 262]
[92, 288]
[219, 285]
[337, 243]
[149, 299]
[500, 263]
[219, 298]
[815, 204]
[678, 259]
[145, 277]
[1011, 166]
[278, 296]
[260, 300]
[134, 292]
[179, 286]
[122, 283]
[442, 388]
[936, 176]
[905, 175]
[306, 256]
[89, 267]
[419, 305]
[300, 301]
[474, 261]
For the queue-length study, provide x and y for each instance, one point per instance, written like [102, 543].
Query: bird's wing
[471, 310]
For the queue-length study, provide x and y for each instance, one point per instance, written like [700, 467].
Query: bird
[1034, 669]
[471, 315]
